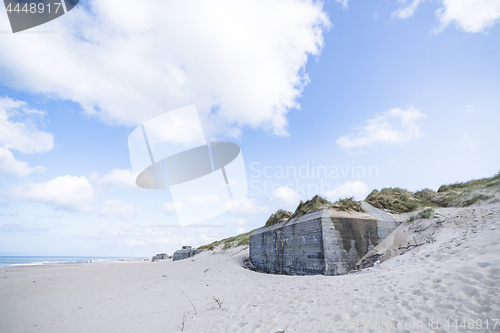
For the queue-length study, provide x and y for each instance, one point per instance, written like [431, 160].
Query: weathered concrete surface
[186, 252]
[160, 256]
[323, 242]
[294, 247]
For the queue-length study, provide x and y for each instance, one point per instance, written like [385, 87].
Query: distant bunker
[184, 253]
[326, 241]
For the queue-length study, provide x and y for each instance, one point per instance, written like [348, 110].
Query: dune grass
[348, 204]
[316, 203]
[476, 198]
[396, 200]
[399, 200]
[471, 184]
[309, 206]
[425, 214]
[230, 242]
[280, 215]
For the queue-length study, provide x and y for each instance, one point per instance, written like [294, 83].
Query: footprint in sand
[476, 308]
[483, 264]
[468, 291]
[488, 282]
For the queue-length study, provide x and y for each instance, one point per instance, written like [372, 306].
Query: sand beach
[435, 287]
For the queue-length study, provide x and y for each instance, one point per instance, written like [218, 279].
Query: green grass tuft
[425, 214]
[476, 198]
[228, 243]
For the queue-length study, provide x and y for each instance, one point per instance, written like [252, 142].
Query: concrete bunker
[160, 256]
[184, 253]
[326, 241]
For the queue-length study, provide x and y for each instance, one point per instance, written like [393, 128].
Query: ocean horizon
[17, 261]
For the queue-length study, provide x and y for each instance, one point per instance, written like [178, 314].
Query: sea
[16, 261]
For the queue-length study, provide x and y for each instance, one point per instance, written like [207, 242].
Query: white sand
[457, 277]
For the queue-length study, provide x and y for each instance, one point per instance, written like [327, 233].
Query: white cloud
[23, 136]
[120, 209]
[14, 227]
[68, 192]
[18, 131]
[172, 207]
[132, 235]
[356, 189]
[468, 15]
[202, 199]
[407, 11]
[135, 242]
[9, 164]
[116, 177]
[238, 221]
[471, 108]
[285, 196]
[344, 3]
[205, 239]
[245, 206]
[396, 126]
[466, 141]
[240, 231]
[241, 62]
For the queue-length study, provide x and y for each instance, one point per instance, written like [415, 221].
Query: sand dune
[456, 277]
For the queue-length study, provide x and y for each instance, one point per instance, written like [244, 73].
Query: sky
[334, 98]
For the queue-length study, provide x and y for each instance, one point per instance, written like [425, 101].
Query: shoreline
[34, 262]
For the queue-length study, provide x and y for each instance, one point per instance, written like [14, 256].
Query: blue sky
[405, 93]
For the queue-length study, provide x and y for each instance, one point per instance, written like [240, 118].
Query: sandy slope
[457, 277]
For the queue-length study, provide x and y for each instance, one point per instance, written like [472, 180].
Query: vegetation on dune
[309, 206]
[316, 203]
[227, 243]
[471, 184]
[395, 200]
[348, 204]
[425, 214]
[399, 200]
[476, 198]
[280, 215]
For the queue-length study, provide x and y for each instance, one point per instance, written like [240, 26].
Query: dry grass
[228, 243]
[399, 200]
[396, 200]
[279, 216]
[471, 184]
[316, 203]
[184, 318]
[348, 204]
